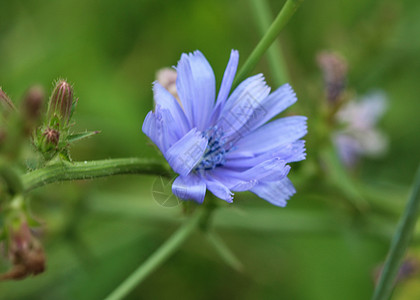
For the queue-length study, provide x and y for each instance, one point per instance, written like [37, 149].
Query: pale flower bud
[166, 77]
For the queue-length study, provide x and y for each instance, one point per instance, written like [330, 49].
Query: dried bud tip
[6, 104]
[61, 101]
[52, 136]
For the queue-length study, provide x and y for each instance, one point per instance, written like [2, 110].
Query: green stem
[64, 171]
[158, 257]
[274, 54]
[281, 20]
[223, 250]
[399, 244]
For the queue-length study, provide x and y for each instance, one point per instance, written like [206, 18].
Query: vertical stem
[281, 20]
[274, 53]
[399, 244]
[158, 257]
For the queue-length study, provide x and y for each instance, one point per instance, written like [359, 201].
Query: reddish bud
[52, 136]
[26, 254]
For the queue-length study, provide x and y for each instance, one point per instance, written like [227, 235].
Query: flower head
[225, 143]
[359, 135]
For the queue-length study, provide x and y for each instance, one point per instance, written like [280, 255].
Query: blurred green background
[96, 233]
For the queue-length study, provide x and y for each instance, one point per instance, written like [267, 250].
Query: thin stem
[281, 20]
[64, 171]
[274, 54]
[158, 257]
[399, 244]
[223, 250]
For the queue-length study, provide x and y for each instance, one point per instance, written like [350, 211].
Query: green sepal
[80, 136]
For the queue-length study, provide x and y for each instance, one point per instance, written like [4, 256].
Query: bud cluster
[51, 137]
[23, 249]
[30, 136]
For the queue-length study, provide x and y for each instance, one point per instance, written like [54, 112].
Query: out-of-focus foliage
[96, 233]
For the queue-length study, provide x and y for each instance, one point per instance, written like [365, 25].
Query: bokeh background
[96, 233]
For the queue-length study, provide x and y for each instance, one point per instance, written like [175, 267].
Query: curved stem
[399, 244]
[275, 55]
[158, 257]
[281, 20]
[65, 171]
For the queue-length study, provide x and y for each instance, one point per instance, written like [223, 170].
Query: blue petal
[189, 187]
[165, 100]
[244, 159]
[219, 189]
[187, 152]
[263, 169]
[272, 105]
[275, 192]
[239, 181]
[273, 135]
[196, 87]
[241, 106]
[156, 126]
[226, 85]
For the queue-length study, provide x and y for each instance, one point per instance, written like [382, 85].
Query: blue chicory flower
[225, 144]
[359, 135]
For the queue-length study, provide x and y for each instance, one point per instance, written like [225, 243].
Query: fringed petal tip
[219, 190]
[275, 192]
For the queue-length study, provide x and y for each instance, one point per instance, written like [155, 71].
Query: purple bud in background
[33, 102]
[334, 69]
[31, 108]
[61, 102]
[359, 135]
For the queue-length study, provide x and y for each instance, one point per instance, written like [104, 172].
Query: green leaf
[79, 136]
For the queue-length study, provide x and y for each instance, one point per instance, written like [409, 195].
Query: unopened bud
[61, 102]
[166, 77]
[33, 102]
[334, 69]
[32, 108]
[26, 254]
[52, 136]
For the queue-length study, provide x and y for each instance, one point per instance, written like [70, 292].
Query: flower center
[217, 147]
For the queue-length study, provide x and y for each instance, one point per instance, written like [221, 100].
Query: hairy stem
[278, 24]
[65, 171]
[399, 244]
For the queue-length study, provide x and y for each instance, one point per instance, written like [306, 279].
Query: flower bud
[166, 77]
[32, 107]
[334, 69]
[61, 102]
[52, 136]
[33, 102]
[26, 254]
